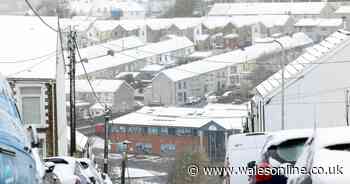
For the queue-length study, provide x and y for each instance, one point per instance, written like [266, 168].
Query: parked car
[281, 148]
[90, 170]
[17, 164]
[68, 170]
[193, 100]
[327, 149]
[240, 150]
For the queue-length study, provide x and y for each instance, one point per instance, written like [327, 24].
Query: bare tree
[179, 174]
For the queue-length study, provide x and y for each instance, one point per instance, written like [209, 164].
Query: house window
[179, 85]
[180, 131]
[153, 131]
[172, 131]
[31, 105]
[184, 85]
[143, 148]
[179, 97]
[167, 149]
[163, 131]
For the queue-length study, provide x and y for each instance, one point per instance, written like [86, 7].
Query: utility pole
[72, 62]
[124, 160]
[347, 107]
[123, 168]
[105, 159]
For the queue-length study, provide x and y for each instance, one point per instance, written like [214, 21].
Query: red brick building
[166, 131]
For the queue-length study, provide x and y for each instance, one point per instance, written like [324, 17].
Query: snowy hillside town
[174, 91]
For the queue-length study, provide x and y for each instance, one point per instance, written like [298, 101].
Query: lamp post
[282, 67]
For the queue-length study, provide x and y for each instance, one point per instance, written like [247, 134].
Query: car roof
[279, 137]
[331, 136]
[68, 160]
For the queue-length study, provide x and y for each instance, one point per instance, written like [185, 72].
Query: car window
[290, 150]
[339, 147]
[84, 165]
[56, 160]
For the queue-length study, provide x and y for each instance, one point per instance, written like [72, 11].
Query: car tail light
[262, 176]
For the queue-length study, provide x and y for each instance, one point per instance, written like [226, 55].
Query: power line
[32, 66]
[27, 60]
[87, 77]
[37, 14]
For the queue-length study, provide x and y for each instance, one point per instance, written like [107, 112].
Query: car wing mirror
[49, 167]
[251, 164]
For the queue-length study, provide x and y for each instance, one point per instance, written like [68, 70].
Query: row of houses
[296, 9]
[175, 86]
[169, 130]
[206, 32]
[316, 89]
[107, 9]
[168, 52]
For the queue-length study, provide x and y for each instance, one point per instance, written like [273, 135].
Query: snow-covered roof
[152, 68]
[99, 85]
[133, 55]
[221, 61]
[201, 54]
[280, 8]
[233, 35]
[98, 106]
[87, 7]
[185, 23]
[319, 22]
[266, 20]
[124, 74]
[295, 68]
[105, 25]
[31, 51]
[343, 10]
[229, 117]
[115, 45]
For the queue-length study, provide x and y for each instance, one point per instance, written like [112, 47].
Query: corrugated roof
[302, 63]
[280, 8]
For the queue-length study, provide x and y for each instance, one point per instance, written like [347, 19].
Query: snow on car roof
[279, 137]
[332, 136]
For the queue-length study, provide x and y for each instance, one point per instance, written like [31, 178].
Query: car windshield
[290, 150]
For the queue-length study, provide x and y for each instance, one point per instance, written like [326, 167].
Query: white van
[242, 149]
